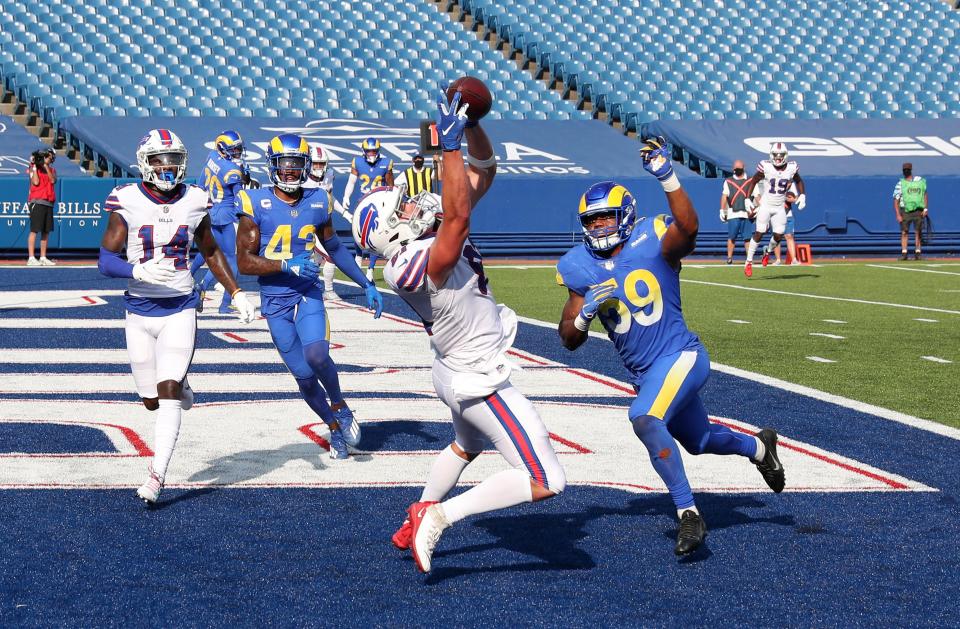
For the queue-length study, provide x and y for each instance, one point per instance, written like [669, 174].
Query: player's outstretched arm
[483, 164]
[344, 260]
[681, 236]
[216, 261]
[455, 196]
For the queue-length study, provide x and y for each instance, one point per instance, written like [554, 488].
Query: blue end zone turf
[52, 439]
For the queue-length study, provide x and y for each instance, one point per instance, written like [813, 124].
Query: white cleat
[45, 261]
[186, 395]
[149, 492]
[329, 295]
[428, 522]
[31, 261]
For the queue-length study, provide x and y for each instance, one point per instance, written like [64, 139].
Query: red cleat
[401, 539]
[748, 269]
[765, 260]
[428, 523]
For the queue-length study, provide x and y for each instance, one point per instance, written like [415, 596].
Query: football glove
[723, 216]
[152, 272]
[451, 121]
[374, 300]
[301, 266]
[594, 298]
[245, 310]
[656, 158]
[749, 205]
[801, 201]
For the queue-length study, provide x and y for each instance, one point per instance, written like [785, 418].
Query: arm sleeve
[348, 192]
[112, 264]
[344, 261]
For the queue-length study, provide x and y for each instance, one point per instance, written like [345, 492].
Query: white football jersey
[326, 183]
[776, 182]
[159, 229]
[462, 318]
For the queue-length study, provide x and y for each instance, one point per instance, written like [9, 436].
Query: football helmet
[230, 146]
[386, 218]
[319, 162]
[371, 150]
[607, 197]
[778, 154]
[162, 159]
[288, 162]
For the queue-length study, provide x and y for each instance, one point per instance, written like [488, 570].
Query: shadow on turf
[792, 276]
[245, 466]
[553, 538]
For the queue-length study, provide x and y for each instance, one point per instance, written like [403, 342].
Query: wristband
[481, 163]
[234, 293]
[581, 322]
[671, 183]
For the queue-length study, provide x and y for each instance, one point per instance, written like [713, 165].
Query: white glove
[245, 310]
[801, 201]
[152, 272]
[749, 205]
[723, 216]
[345, 204]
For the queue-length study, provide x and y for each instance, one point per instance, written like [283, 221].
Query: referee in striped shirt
[420, 178]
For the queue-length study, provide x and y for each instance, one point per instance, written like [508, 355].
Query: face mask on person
[738, 172]
[906, 173]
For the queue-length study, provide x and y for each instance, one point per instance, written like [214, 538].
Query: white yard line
[816, 394]
[737, 321]
[907, 268]
[832, 321]
[818, 359]
[829, 336]
[927, 320]
[935, 359]
[825, 297]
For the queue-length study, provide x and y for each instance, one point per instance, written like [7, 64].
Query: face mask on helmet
[288, 172]
[230, 146]
[612, 202]
[371, 150]
[778, 154]
[387, 219]
[162, 159]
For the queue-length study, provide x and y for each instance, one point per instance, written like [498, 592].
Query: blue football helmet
[230, 146]
[371, 150]
[288, 162]
[607, 197]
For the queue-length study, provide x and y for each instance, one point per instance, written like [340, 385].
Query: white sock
[444, 475]
[503, 489]
[692, 508]
[752, 249]
[166, 432]
[329, 270]
[761, 450]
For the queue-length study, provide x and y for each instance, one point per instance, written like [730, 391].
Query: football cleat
[227, 308]
[765, 260]
[349, 426]
[427, 523]
[770, 467]
[149, 492]
[776, 263]
[916, 256]
[748, 269]
[401, 539]
[693, 530]
[338, 445]
[329, 295]
[186, 395]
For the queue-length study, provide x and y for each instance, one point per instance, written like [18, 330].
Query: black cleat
[917, 256]
[770, 467]
[693, 530]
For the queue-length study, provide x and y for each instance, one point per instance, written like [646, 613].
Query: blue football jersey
[222, 179]
[642, 317]
[372, 176]
[286, 231]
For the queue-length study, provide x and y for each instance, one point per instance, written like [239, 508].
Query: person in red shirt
[40, 201]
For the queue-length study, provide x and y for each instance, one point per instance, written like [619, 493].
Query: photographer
[40, 201]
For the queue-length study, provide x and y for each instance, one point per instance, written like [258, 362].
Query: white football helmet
[778, 154]
[386, 219]
[169, 157]
[319, 160]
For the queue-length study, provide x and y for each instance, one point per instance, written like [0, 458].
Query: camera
[39, 158]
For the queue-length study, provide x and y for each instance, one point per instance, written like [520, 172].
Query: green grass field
[878, 360]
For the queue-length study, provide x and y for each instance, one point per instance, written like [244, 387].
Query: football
[472, 91]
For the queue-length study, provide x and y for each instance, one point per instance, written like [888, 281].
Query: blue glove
[656, 158]
[301, 266]
[450, 121]
[594, 298]
[374, 300]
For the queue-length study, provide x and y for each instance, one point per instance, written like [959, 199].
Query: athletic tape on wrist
[481, 163]
[581, 322]
[234, 293]
[671, 183]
